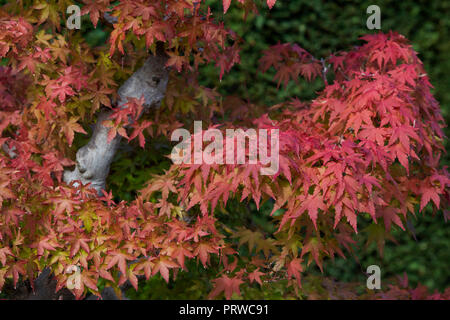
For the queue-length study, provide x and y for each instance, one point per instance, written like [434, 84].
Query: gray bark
[94, 159]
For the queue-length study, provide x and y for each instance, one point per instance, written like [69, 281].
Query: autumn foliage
[367, 147]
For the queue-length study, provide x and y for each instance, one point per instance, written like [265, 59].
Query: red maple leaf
[295, 269]
[163, 265]
[226, 285]
[203, 250]
[255, 276]
[70, 128]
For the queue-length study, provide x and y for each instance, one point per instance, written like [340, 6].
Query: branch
[94, 159]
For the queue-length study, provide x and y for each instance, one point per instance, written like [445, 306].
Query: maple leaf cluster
[12, 85]
[368, 147]
[290, 61]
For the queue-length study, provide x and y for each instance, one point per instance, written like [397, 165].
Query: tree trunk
[94, 159]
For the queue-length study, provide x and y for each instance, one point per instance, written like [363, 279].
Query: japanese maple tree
[367, 147]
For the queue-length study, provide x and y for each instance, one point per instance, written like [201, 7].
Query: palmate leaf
[227, 285]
